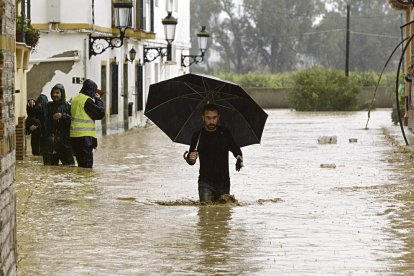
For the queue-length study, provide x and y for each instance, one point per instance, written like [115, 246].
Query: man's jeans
[207, 193]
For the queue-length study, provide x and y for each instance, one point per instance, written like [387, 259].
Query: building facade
[63, 53]
[8, 254]
[408, 30]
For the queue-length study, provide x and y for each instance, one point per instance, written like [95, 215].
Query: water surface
[135, 213]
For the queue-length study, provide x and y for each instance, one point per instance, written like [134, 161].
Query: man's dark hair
[210, 107]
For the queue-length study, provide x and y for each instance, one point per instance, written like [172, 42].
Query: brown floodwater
[136, 212]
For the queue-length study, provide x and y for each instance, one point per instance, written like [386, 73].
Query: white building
[63, 53]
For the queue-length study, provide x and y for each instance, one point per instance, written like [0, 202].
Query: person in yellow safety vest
[87, 107]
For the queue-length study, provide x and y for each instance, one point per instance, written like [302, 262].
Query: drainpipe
[86, 44]
[85, 57]
[29, 12]
[23, 19]
[93, 15]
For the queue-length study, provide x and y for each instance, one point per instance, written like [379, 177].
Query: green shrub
[258, 79]
[370, 78]
[320, 89]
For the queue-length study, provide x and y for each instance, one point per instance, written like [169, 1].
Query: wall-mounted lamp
[188, 60]
[151, 53]
[123, 16]
[132, 54]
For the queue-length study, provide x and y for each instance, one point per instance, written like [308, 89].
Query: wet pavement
[136, 212]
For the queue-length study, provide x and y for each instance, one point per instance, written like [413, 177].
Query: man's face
[211, 119]
[56, 95]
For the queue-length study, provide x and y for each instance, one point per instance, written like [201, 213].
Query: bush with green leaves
[321, 89]
[258, 79]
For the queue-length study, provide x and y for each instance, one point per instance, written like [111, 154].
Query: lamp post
[151, 53]
[122, 17]
[188, 60]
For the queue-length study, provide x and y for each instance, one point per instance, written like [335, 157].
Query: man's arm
[193, 155]
[237, 153]
[233, 147]
[96, 109]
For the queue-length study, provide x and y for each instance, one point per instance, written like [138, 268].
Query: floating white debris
[353, 140]
[327, 140]
[328, 166]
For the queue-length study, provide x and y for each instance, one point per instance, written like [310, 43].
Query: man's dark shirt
[213, 150]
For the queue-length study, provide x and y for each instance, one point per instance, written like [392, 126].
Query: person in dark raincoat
[87, 107]
[212, 144]
[56, 128]
[33, 122]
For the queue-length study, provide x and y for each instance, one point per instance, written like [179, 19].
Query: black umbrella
[176, 106]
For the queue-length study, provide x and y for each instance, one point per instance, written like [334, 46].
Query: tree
[230, 33]
[257, 34]
[201, 15]
[277, 27]
[284, 35]
[374, 34]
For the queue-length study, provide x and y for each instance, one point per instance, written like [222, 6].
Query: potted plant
[32, 37]
[27, 31]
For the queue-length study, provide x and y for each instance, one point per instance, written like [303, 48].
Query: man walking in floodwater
[213, 143]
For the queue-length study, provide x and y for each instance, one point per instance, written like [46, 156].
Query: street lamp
[122, 16]
[188, 60]
[151, 53]
[132, 54]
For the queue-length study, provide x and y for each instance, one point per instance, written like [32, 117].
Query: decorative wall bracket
[151, 53]
[99, 44]
[188, 60]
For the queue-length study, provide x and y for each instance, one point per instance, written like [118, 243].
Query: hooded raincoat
[57, 145]
[35, 116]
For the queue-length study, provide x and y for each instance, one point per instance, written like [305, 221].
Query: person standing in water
[212, 144]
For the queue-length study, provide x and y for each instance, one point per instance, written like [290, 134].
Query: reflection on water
[213, 229]
[136, 212]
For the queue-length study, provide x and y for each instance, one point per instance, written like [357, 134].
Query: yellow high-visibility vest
[81, 124]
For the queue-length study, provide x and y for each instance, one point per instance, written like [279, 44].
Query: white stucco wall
[52, 44]
[55, 41]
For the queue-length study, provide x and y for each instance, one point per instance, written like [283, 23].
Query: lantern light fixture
[151, 53]
[131, 55]
[123, 21]
[188, 60]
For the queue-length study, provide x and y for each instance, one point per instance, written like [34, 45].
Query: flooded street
[134, 213]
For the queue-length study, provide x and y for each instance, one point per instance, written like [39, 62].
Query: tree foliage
[201, 15]
[374, 32]
[320, 89]
[276, 29]
[284, 35]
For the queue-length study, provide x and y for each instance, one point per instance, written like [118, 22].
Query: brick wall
[7, 140]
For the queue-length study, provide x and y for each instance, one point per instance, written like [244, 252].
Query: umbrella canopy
[176, 107]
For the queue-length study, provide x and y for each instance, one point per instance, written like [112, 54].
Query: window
[114, 88]
[139, 87]
[103, 88]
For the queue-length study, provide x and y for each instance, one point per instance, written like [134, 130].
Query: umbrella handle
[185, 155]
